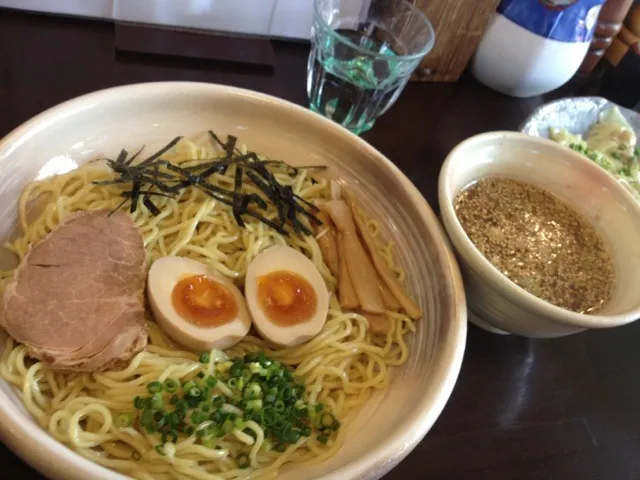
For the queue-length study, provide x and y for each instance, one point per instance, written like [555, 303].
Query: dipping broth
[539, 242]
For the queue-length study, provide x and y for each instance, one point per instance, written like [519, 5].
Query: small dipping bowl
[496, 303]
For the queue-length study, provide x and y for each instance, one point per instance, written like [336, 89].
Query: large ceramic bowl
[104, 122]
[495, 302]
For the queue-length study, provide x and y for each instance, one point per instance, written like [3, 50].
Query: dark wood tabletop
[522, 409]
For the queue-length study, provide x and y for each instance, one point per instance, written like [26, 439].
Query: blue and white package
[562, 20]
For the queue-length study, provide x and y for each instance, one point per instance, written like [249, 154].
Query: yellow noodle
[342, 366]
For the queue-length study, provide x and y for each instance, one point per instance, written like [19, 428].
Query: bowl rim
[27, 439]
[480, 264]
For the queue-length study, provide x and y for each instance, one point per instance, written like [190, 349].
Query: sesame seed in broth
[539, 242]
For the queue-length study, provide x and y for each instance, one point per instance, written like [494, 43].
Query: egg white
[284, 258]
[163, 276]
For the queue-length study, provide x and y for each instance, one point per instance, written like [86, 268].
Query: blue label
[562, 20]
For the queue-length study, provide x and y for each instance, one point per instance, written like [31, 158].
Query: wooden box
[459, 26]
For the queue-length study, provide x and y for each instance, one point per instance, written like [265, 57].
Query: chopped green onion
[287, 394]
[239, 423]
[200, 375]
[173, 420]
[124, 420]
[194, 392]
[236, 370]
[327, 420]
[171, 385]
[279, 406]
[198, 417]
[160, 449]
[138, 402]
[299, 391]
[157, 402]
[280, 447]
[291, 436]
[322, 439]
[211, 381]
[208, 442]
[189, 385]
[232, 383]
[189, 430]
[268, 416]
[227, 426]
[250, 357]
[242, 460]
[254, 404]
[146, 420]
[159, 418]
[205, 357]
[319, 407]
[263, 360]
[154, 387]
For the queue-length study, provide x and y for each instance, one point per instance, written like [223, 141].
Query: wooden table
[522, 409]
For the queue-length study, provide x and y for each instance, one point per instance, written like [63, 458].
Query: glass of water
[362, 55]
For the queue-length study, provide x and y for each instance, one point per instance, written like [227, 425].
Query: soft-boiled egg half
[195, 305]
[286, 296]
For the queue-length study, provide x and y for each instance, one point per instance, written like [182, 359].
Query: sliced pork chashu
[76, 300]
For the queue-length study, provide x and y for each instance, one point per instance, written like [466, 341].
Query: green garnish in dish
[253, 388]
[610, 143]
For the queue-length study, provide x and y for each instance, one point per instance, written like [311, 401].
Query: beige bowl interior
[102, 123]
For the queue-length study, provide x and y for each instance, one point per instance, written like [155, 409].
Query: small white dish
[499, 303]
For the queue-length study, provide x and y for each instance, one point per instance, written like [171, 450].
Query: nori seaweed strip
[257, 216]
[135, 155]
[291, 203]
[279, 188]
[275, 193]
[122, 157]
[262, 185]
[147, 174]
[219, 142]
[146, 200]
[218, 164]
[306, 202]
[271, 193]
[163, 150]
[135, 194]
[220, 168]
[112, 182]
[118, 207]
[230, 147]
[195, 180]
[216, 139]
[257, 199]
[237, 199]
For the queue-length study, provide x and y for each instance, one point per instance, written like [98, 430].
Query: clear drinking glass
[362, 55]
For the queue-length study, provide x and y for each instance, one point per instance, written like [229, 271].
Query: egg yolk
[286, 298]
[204, 302]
